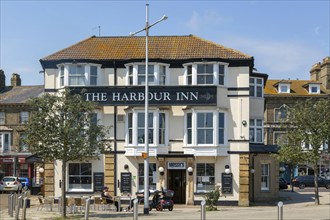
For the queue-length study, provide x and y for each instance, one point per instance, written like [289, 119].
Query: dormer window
[284, 87]
[78, 74]
[314, 89]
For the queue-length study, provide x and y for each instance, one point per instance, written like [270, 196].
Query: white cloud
[279, 59]
[207, 19]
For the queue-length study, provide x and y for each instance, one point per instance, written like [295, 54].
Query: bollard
[24, 208]
[135, 209]
[280, 210]
[88, 204]
[10, 205]
[18, 204]
[203, 206]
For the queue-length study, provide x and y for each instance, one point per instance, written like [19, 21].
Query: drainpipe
[115, 132]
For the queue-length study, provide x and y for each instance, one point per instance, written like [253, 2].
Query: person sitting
[106, 194]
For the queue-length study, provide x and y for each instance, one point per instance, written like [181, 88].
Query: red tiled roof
[160, 47]
[297, 87]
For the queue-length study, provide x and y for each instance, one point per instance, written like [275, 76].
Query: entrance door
[177, 183]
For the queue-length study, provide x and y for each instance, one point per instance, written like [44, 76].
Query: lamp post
[146, 112]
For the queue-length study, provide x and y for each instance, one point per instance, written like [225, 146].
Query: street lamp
[146, 112]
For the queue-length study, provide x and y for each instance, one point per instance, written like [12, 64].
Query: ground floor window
[205, 177]
[152, 176]
[80, 176]
[264, 176]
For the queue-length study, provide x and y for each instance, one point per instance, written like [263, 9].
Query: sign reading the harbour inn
[158, 95]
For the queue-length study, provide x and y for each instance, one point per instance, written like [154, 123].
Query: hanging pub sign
[227, 183]
[158, 95]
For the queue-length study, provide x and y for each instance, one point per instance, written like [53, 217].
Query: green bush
[211, 199]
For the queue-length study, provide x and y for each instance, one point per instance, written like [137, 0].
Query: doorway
[177, 183]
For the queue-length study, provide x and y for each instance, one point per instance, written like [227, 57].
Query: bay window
[256, 130]
[136, 74]
[256, 87]
[205, 128]
[157, 128]
[205, 177]
[78, 74]
[205, 73]
[80, 176]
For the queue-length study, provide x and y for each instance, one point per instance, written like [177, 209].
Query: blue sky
[285, 37]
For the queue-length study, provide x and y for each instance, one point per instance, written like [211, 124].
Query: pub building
[205, 114]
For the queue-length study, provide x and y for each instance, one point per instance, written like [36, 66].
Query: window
[281, 113]
[256, 87]
[2, 118]
[24, 117]
[78, 74]
[284, 87]
[205, 177]
[205, 74]
[5, 141]
[203, 127]
[264, 176]
[314, 89]
[22, 146]
[80, 176]
[136, 74]
[152, 176]
[157, 128]
[256, 130]
[279, 138]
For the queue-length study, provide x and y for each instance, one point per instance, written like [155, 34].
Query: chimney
[2, 80]
[15, 80]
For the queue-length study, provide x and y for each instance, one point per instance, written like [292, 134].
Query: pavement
[298, 205]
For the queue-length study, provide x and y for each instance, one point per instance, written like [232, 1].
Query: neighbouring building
[206, 110]
[14, 113]
[280, 95]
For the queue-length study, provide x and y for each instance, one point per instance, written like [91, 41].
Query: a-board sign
[98, 182]
[227, 183]
[126, 182]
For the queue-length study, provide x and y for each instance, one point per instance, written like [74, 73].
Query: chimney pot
[16, 80]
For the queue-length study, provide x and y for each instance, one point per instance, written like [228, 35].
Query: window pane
[74, 169]
[93, 75]
[252, 91]
[259, 91]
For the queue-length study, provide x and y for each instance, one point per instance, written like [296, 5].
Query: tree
[63, 127]
[308, 124]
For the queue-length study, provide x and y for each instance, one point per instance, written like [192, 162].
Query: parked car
[25, 182]
[10, 183]
[283, 184]
[308, 181]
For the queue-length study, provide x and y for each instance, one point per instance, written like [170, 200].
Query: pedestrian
[106, 194]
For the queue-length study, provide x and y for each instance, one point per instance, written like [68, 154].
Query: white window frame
[311, 86]
[2, 118]
[194, 74]
[265, 168]
[278, 113]
[194, 128]
[254, 127]
[256, 83]
[155, 129]
[24, 117]
[63, 74]
[282, 86]
[6, 148]
[132, 77]
[72, 189]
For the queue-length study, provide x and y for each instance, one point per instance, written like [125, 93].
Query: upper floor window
[256, 87]
[23, 146]
[5, 141]
[281, 113]
[78, 74]
[205, 128]
[314, 89]
[284, 87]
[136, 74]
[2, 118]
[205, 73]
[157, 128]
[256, 130]
[24, 117]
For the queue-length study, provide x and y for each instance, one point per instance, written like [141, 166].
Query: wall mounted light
[126, 167]
[244, 123]
[190, 171]
[161, 171]
[282, 169]
[41, 170]
[252, 171]
[227, 169]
